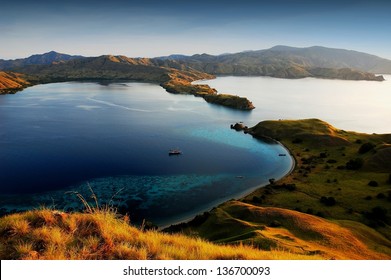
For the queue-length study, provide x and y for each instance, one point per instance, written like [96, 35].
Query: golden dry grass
[270, 228]
[10, 80]
[48, 234]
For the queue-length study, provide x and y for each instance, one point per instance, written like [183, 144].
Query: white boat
[174, 152]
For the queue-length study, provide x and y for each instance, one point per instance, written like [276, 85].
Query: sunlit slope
[48, 234]
[270, 227]
[10, 82]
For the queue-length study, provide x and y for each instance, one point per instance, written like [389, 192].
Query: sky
[148, 28]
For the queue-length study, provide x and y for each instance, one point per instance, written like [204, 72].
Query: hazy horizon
[150, 28]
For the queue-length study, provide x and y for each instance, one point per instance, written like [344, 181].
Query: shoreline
[215, 204]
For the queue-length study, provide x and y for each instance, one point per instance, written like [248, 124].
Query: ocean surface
[58, 140]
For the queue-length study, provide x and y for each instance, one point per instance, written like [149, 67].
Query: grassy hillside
[48, 234]
[335, 204]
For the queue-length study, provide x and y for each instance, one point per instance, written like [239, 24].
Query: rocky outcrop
[239, 127]
[232, 101]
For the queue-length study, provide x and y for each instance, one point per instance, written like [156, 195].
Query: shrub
[323, 155]
[297, 141]
[389, 179]
[298, 209]
[378, 213]
[310, 211]
[328, 201]
[373, 184]
[366, 147]
[331, 161]
[320, 214]
[381, 196]
[289, 187]
[354, 164]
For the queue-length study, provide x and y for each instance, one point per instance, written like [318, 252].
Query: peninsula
[117, 68]
[335, 204]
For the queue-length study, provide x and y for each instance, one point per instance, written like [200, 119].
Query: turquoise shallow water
[59, 139]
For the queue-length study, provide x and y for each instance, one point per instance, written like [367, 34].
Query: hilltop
[48, 58]
[335, 204]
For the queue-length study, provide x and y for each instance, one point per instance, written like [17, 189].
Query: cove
[58, 139]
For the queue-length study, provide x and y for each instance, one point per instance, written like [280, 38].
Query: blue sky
[148, 28]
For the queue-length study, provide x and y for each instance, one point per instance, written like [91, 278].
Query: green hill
[335, 204]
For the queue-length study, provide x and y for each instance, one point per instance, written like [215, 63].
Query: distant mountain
[289, 62]
[37, 59]
[176, 72]
[105, 67]
[329, 58]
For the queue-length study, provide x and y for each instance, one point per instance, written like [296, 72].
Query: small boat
[174, 152]
[281, 155]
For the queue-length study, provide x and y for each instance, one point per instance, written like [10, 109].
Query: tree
[328, 201]
[354, 164]
[373, 183]
[366, 147]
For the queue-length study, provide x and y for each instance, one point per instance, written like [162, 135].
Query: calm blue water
[363, 106]
[59, 138]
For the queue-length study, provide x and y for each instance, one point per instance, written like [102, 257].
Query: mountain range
[242, 63]
[176, 72]
[284, 57]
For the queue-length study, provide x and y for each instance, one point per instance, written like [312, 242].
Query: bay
[59, 139]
